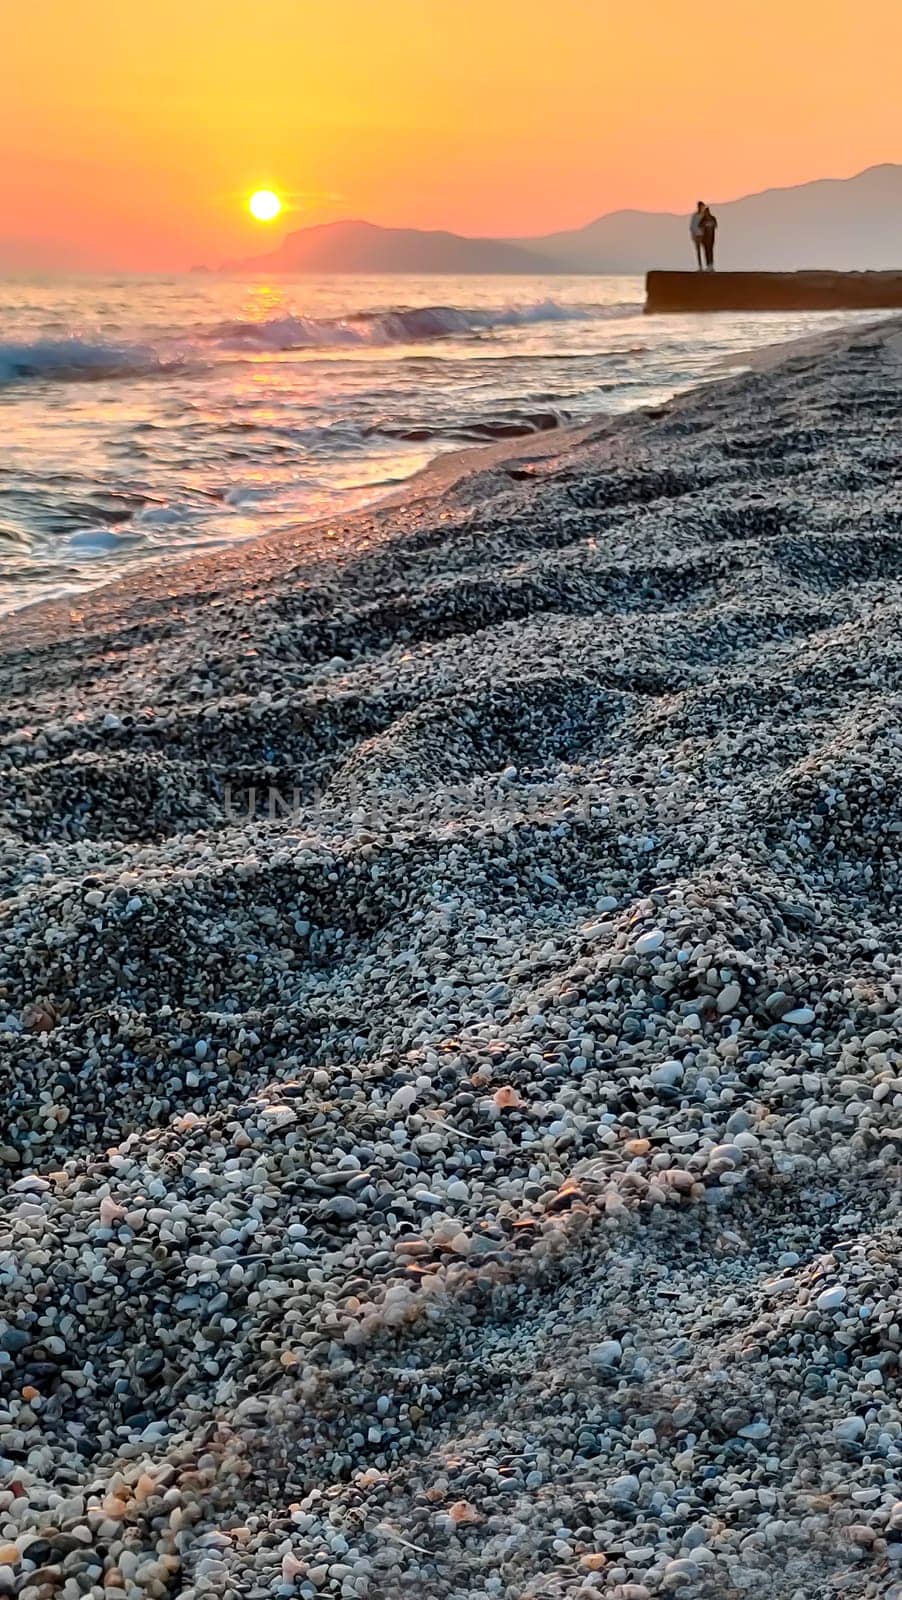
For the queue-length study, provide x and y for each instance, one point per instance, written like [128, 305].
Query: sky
[132, 131]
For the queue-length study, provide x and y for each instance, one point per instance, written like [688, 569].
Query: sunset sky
[133, 130]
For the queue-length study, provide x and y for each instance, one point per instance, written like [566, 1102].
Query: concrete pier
[773, 291]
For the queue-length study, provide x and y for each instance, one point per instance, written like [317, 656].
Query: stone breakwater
[491, 1203]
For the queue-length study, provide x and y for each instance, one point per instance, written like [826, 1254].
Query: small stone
[668, 1073]
[681, 1571]
[13, 1340]
[342, 1206]
[608, 1354]
[625, 1488]
[726, 1153]
[729, 998]
[402, 1099]
[507, 1098]
[461, 1511]
[756, 1431]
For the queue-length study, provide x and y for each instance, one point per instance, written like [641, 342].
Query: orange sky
[131, 129]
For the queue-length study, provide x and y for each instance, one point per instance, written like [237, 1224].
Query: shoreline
[439, 476]
[469, 1166]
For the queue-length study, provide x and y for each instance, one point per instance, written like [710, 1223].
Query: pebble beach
[451, 1032]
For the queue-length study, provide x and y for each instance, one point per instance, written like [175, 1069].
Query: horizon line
[111, 270]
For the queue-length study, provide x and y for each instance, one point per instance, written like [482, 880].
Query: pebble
[668, 1073]
[850, 1429]
[729, 998]
[831, 1299]
[342, 1206]
[607, 1354]
[680, 1572]
[625, 1488]
[756, 1431]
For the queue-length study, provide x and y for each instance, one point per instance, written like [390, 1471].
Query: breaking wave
[77, 359]
[406, 325]
[80, 359]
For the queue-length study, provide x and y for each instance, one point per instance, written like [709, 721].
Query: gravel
[469, 1168]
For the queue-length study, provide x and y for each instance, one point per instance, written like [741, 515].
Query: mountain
[364, 247]
[845, 223]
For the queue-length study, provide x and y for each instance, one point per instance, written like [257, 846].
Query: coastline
[471, 1165]
[437, 477]
[440, 476]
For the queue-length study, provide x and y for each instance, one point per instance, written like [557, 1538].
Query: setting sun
[264, 205]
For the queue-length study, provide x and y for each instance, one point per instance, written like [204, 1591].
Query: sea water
[146, 419]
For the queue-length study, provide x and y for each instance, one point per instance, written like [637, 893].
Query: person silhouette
[695, 230]
[708, 230]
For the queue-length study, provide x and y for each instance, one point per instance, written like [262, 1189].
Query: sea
[143, 420]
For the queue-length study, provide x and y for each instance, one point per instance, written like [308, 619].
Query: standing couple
[703, 228]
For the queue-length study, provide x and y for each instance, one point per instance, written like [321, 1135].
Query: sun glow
[264, 205]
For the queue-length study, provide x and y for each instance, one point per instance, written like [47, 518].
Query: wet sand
[451, 1007]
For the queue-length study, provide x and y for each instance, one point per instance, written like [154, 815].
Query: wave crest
[406, 325]
[74, 359]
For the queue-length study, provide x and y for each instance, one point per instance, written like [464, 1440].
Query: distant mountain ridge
[844, 223]
[365, 247]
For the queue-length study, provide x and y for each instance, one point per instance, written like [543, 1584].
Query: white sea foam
[406, 325]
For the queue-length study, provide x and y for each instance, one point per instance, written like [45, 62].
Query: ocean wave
[75, 359]
[406, 325]
[79, 359]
